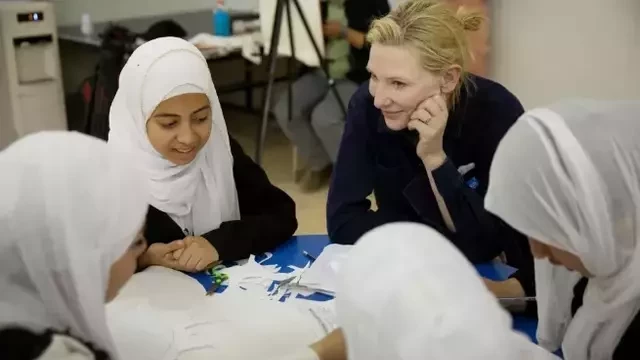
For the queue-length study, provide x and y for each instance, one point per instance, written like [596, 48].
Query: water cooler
[31, 93]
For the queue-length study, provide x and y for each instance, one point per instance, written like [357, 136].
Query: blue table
[291, 253]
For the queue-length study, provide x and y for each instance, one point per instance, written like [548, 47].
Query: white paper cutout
[239, 325]
[163, 306]
[322, 276]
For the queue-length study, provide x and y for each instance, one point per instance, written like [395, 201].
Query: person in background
[421, 138]
[71, 218]
[207, 196]
[317, 120]
[567, 177]
[416, 297]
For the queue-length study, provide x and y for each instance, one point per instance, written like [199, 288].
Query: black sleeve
[479, 234]
[267, 214]
[473, 224]
[360, 13]
[22, 344]
[349, 213]
[578, 294]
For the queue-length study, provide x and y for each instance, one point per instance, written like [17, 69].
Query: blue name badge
[473, 183]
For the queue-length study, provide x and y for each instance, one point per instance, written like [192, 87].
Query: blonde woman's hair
[433, 28]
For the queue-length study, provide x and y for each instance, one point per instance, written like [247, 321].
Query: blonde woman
[421, 136]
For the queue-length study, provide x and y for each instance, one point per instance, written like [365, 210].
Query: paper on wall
[305, 52]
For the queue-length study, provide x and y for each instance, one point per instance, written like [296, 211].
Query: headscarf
[205, 188]
[407, 293]
[568, 176]
[70, 208]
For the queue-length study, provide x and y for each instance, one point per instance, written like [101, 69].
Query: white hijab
[569, 176]
[205, 188]
[407, 293]
[70, 208]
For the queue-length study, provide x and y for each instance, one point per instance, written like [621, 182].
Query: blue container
[221, 22]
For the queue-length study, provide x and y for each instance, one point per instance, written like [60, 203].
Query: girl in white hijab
[567, 177]
[70, 218]
[207, 196]
[417, 298]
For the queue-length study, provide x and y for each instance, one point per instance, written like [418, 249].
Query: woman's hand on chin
[430, 120]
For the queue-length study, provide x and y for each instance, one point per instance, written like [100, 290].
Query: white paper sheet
[304, 353]
[163, 314]
[140, 333]
[322, 311]
[323, 274]
[305, 52]
[163, 288]
[149, 319]
[240, 326]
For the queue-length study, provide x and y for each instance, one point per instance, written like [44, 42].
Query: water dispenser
[31, 93]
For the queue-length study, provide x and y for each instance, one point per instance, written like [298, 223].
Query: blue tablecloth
[291, 253]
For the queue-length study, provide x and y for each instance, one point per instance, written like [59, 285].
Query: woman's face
[399, 83]
[557, 256]
[123, 269]
[180, 126]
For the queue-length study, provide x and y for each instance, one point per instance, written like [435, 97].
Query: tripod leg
[291, 63]
[273, 57]
[316, 48]
[336, 94]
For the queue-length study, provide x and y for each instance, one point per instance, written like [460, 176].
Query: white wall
[546, 50]
[68, 12]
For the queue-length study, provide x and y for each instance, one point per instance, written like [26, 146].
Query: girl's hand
[509, 288]
[331, 347]
[161, 254]
[198, 253]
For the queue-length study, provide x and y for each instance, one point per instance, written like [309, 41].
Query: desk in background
[193, 23]
[291, 253]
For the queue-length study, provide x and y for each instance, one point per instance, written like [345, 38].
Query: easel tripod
[281, 7]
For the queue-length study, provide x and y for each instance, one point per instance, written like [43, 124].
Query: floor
[277, 161]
